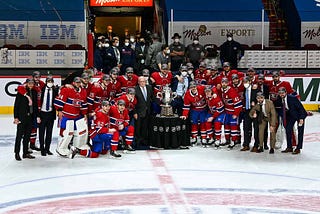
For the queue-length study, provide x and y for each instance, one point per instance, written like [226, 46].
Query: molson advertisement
[121, 3]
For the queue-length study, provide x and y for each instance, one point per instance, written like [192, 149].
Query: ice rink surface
[198, 180]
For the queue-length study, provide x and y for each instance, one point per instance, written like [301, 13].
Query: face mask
[126, 44]
[50, 84]
[229, 39]
[100, 45]
[117, 44]
[142, 43]
[176, 40]
[184, 73]
[246, 85]
[106, 45]
[132, 40]
[195, 42]
[190, 71]
[168, 51]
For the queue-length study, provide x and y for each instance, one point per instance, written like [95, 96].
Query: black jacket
[22, 110]
[54, 94]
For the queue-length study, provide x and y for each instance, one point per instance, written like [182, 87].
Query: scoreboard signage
[121, 3]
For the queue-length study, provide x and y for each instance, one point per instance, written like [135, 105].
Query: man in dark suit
[142, 111]
[112, 56]
[25, 114]
[141, 52]
[250, 94]
[47, 115]
[291, 110]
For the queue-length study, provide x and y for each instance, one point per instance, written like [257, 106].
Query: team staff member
[177, 51]
[25, 110]
[47, 115]
[231, 51]
[292, 111]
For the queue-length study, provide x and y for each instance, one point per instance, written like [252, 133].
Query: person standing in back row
[231, 51]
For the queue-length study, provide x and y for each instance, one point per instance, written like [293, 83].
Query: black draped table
[168, 132]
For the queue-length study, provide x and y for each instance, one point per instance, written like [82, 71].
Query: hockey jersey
[195, 102]
[117, 118]
[231, 100]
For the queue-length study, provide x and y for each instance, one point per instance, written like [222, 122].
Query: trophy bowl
[166, 96]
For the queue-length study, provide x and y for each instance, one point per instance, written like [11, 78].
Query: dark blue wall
[307, 9]
[42, 10]
[215, 10]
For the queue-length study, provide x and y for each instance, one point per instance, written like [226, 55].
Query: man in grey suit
[265, 112]
[153, 50]
[142, 111]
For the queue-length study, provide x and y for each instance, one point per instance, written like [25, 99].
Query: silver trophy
[166, 96]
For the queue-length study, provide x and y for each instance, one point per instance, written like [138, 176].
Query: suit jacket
[143, 107]
[253, 97]
[54, 94]
[265, 90]
[296, 110]
[271, 113]
[22, 110]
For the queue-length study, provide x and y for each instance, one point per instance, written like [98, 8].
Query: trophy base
[166, 111]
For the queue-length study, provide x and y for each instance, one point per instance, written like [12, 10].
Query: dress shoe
[17, 156]
[245, 148]
[43, 153]
[254, 149]
[296, 151]
[271, 151]
[266, 147]
[49, 153]
[33, 147]
[259, 150]
[28, 156]
[287, 150]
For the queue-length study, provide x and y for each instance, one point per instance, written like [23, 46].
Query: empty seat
[42, 47]
[257, 47]
[75, 47]
[25, 47]
[311, 47]
[10, 46]
[58, 47]
[245, 47]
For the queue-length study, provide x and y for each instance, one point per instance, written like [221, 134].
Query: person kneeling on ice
[119, 119]
[103, 137]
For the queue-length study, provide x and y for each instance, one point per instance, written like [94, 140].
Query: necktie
[284, 112]
[144, 93]
[260, 115]
[247, 100]
[48, 100]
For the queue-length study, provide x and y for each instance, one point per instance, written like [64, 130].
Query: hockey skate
[114, 154]
[217, 144]
[204, 143]
[73, 152]
[129, 150]
[231, 145]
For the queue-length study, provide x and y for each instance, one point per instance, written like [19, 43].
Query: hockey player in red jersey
[227, 72]
[201, 75]
[251, 72]
[103, 137]
[38, 85]
[71, 104]
[114, 88]
[159, 80]
[119, 119]
[215, 115]
[98, 93]
[275, 84]
[129, 80]
[233, 107]
[214, 78]
[195, 103]
[131, 101]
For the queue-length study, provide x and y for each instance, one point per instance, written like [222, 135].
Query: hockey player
[233, 107]
[275, 84]
[227, 72]
[129, 80]
[215, 115]
[103, 137]
[160, 79]
[38, 86]
[195, 102]
[114, 88]
[71, 104]
[131, 101]
[201, 74]
[119, 119]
